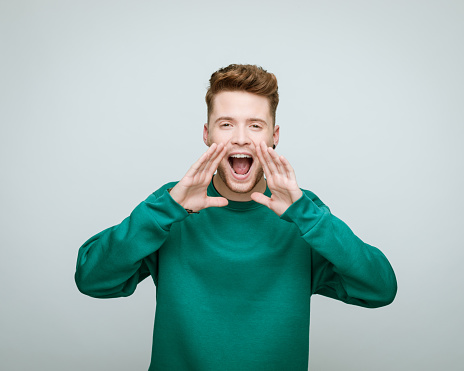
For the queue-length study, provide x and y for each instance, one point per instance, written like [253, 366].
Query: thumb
[261, 199]
[216, 202]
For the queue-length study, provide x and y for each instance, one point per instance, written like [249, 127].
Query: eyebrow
[228, 118]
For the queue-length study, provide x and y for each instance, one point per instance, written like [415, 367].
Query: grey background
[102, 102]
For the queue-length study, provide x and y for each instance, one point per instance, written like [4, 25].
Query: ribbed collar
[237, 205]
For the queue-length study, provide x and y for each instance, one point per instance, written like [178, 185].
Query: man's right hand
[190, 192]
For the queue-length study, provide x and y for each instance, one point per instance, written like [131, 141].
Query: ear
[205, 134]
[276, 134]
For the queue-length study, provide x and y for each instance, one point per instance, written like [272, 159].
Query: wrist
[174, 198]
[297, 195]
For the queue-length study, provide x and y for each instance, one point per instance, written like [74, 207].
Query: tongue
[241, 165]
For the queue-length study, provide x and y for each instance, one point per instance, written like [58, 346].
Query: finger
[288, 168]
[216, 161]
[278, 163]
[254, 150]
[267, 157]
[213, 155]
[216, 202]
[213, 162]
[199, 164]
[253, 147]
[263, 162]
[261, 199]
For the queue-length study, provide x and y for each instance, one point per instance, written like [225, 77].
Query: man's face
[241, 120]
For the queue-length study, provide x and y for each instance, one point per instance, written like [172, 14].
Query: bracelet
[188, 210]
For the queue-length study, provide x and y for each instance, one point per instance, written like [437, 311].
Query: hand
[281, 180]
[190, 192]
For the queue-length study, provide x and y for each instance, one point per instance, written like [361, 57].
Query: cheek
[267, 138]
[222, 137]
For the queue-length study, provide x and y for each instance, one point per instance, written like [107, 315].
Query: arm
[113, 262]
[343, 266]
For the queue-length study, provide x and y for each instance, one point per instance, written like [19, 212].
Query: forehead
[241, 105]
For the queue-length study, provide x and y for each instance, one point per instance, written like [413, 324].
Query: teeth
[241, 156]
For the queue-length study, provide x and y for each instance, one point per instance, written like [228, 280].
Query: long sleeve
[343, 266]
[112, 263]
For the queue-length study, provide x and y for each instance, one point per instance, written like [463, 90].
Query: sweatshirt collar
[237, 205]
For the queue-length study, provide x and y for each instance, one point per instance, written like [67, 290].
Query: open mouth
[240, 163]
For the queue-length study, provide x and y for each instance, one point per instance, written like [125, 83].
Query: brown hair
[244, 77]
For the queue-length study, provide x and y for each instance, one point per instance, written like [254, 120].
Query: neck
[226, 192]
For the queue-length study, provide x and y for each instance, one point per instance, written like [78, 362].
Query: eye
[256, 126]
[225, 124]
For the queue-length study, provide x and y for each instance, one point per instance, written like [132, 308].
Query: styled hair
[244, 77]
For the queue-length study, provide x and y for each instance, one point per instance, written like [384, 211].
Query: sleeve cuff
[167, 210]
[304, 213]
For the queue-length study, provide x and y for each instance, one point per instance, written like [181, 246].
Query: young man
[236, 255]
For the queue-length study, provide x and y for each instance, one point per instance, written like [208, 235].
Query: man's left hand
[281, 180]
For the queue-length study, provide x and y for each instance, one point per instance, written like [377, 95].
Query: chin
[240, 183]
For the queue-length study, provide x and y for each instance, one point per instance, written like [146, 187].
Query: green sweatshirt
[233, 284]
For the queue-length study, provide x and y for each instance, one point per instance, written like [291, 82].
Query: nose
[240, 136]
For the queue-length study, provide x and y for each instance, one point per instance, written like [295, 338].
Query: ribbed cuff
[304, 213]
[166, 210]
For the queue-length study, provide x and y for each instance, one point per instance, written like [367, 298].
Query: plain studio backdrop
[102, 102]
